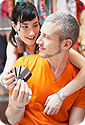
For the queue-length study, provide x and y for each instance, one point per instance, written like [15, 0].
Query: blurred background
[44, 7]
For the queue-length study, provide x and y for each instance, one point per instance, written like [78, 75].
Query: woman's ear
[14, 26]
[67, 43]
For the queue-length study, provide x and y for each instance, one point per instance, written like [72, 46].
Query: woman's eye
[36, 25]
[24, 27]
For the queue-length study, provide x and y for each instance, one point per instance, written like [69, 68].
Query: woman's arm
[77, 116]
[79, 81]
[12, 55]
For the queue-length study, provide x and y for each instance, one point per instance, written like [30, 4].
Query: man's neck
[58, 65]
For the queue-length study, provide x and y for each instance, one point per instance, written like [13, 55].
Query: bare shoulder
[11, 48]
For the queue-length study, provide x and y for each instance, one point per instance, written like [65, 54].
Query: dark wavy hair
[22, 11]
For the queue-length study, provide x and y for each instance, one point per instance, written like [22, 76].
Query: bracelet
[1, 80]
[23, 108]
[61, 96]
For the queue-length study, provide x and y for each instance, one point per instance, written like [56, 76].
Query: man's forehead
[49, 27]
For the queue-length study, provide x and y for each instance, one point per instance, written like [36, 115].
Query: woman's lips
[30, 38]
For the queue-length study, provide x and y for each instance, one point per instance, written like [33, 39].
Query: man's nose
[39, 40]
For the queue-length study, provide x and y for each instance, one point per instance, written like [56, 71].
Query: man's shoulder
[31, 57]
[69, 73]
[72, 68]
[28, 60]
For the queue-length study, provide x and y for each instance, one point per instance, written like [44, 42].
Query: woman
[25, 23]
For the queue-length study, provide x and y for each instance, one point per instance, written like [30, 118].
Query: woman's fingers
[8, 80]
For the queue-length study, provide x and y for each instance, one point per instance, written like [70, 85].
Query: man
[51, 70]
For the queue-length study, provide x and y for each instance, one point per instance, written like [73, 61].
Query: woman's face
[28, 31]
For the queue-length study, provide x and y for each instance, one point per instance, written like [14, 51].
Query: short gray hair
[69, 27]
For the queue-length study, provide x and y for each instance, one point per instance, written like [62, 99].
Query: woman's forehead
[33, 21]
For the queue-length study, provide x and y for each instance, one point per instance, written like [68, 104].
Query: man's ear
[14, 26]
[67, 43]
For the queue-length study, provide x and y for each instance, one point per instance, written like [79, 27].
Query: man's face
[48, 41]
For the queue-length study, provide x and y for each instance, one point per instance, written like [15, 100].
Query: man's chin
[42, 55]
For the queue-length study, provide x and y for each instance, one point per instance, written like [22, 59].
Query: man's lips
[41, 48]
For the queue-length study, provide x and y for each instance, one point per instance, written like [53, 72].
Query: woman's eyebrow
[25, 24]
[35, 22]
[28, 24]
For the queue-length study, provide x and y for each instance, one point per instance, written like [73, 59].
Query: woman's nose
[31, 33]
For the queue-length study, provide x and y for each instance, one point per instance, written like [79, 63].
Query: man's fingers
[52, 112]
[26, 92]
[46, 109]
[49, 111]
[56, 111]
[30, 94]
[16, 91]
[47, 100]
[21, 91]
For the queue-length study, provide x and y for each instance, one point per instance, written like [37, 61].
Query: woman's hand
[21, 95]
[8, 80]
[52, 104]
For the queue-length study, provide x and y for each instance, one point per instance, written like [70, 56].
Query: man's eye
[39, 33]
[47, 37]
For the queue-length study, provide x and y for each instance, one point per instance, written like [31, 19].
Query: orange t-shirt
[43, 84]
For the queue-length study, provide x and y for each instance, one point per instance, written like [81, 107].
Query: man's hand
[21, 94]
[52, 104]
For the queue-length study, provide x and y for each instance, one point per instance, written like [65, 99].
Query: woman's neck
[30, 49]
